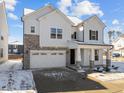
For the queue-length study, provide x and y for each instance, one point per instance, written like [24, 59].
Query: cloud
[64, 5]
[87, 8]
[12, 16]
[14, 39]
[116, 28]
[115, 22]
[10, 4]
[79, 9]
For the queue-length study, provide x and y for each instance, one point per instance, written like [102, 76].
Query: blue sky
[111, 12]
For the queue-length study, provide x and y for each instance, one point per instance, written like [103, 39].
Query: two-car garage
[47, 58]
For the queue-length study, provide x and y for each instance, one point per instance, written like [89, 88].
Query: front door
[72, 56]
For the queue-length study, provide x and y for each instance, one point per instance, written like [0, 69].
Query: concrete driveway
[62, 80]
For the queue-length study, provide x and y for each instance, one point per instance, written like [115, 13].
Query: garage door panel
[48, 59]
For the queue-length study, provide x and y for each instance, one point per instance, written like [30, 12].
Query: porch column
[78, 58]
[108, 59]
[92, 59]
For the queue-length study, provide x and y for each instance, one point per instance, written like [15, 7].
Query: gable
[54, 20]
[120, 40]
[96, 20]
[39, 12]
[63, 16]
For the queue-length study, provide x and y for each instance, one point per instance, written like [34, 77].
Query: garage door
[47, 59]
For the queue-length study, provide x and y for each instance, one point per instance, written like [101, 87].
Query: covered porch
[91, 56]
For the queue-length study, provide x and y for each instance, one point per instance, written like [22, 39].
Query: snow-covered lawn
[113, 75]
[15, 80]
[107, 76]
[11, 65]
[120, 65]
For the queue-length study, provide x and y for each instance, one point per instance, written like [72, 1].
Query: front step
[79, 70]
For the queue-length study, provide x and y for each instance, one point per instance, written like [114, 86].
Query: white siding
[119, 44]
[93, 24]
[54, 20]
[3, 33]
[80, 36]
[32, 20]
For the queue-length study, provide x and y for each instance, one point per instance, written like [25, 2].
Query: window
[73, 36]
[43, 53]
[61, 54]
[53, 53]
[56, 33]
[35, 53]
[96, 55]
[53, 33]
[32, 29]
[1, 52]
[1, 37]
[93, 35]
[59, 33]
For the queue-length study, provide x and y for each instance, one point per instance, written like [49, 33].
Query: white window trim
[57, 33]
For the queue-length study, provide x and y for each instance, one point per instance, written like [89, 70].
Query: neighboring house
[16, 48]
[3, 34]
[52, 39]
[119, 45]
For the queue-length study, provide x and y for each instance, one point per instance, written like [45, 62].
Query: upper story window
[2, 38]
[59, 33]
[93, 35]
[96, 55]
[56, 33]
[1, 52]
[53, 33]
[74, 35]
[32, 29]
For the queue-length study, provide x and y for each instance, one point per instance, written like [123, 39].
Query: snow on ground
[11, 65]
[57, 75]
[107, 76]
[15, 80]
[113, 75]
[120, 65]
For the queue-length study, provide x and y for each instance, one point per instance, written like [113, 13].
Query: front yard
[15, 80]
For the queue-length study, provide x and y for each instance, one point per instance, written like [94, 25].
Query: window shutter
[90, 35]
[96, 35]
[75, 35]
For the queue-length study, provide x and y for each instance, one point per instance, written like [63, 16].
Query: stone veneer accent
[31, 42]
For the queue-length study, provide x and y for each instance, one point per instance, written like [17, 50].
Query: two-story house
[52, 39]
[3, 34]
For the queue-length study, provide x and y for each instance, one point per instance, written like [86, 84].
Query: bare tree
[114, 34]
[110, 34]
[118, 33]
